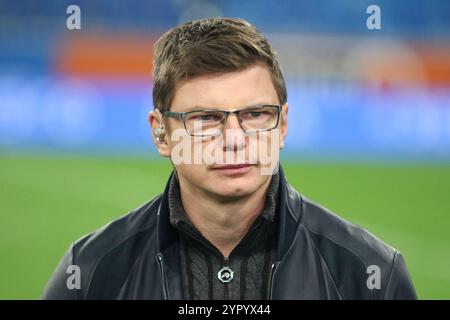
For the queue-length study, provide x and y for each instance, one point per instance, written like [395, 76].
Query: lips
[233, 166]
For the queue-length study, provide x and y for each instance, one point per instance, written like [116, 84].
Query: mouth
[233, 166]
[233, 169]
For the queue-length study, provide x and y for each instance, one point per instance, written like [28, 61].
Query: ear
[156, 121]
[283, 124]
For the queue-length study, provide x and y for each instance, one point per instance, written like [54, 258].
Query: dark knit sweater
[250, 260]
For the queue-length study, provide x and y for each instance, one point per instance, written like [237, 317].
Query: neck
[224, 224]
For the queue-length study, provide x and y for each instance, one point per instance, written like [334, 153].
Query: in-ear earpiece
[159, 133]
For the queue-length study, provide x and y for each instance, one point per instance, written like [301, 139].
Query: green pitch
[48, 202]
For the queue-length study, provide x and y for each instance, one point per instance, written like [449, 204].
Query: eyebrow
[199, 107]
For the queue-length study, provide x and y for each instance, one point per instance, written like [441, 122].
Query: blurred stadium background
[369, 133]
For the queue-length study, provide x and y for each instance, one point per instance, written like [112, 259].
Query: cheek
[192, 172]
[264, 145]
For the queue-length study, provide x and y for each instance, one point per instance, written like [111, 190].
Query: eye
[206, 117]
[256, 114]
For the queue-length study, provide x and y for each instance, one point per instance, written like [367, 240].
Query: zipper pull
[225, 275]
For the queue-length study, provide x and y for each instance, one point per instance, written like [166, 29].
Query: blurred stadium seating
[353, 92]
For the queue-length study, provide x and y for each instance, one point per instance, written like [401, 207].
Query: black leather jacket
[320, 256]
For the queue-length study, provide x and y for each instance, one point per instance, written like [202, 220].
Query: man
[228, 226]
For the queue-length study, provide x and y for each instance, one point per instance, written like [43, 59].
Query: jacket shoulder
[327, 225]
[118, 231]
[352, 254]
[117, 243]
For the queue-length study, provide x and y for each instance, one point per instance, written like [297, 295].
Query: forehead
[227, 91]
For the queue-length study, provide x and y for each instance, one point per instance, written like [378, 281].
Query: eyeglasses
[205, 123]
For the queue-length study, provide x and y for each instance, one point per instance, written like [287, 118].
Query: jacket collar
[289, 212]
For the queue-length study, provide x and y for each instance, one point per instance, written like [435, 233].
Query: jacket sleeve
[399, 286]
[60, 286]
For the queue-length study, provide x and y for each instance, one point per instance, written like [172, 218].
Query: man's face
[228, 92]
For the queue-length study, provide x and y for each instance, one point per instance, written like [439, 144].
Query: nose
[234, 136]
[232, 122]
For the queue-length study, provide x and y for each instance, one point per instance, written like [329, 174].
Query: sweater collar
[177, 213]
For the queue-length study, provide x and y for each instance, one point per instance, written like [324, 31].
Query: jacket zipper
[164, 284]
[273, 267]
[226, 260]
[226, 263]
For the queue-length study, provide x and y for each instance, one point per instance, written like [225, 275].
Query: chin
[230, 193]
[234, 188]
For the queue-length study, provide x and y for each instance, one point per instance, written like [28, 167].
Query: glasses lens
[259, 119]
[204, 123]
